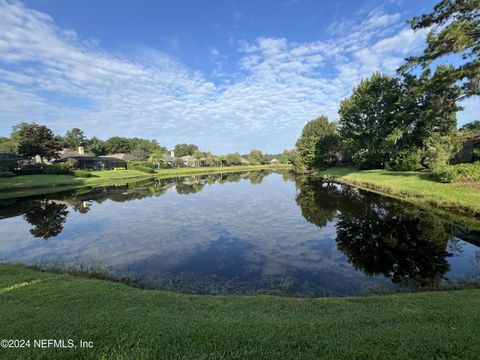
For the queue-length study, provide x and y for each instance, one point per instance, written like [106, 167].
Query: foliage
[405, 160]
[56, 169]
[313, 132]
[329, 150]
[471, 128]
[233, 159]
[117, 144]
[6, 174]
[368, 116]
[185, 149]
[440, 150]
[81, 173]
[7, 145]
[7, 165]
[47, 219]
[157, 158]
[453, 29]
[458, 173]
[72, 163]
[143, 148]
[255, 157]
[34, 139]
[96, 146]
[74, 138]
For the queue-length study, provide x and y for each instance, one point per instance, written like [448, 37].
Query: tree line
[407, 121]
[33, 139]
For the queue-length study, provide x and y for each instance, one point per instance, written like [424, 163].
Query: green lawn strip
[21, 186]
[125, 322]
[416, 187]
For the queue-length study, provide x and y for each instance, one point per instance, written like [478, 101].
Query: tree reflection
[379, 235]
[47, 219]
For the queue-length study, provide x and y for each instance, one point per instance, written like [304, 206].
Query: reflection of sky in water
[231, 237]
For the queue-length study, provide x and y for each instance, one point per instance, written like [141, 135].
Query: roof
[123, 156]
[66, 153]
[90, 158]
[171, 158]
[187, 158]
[12, 157]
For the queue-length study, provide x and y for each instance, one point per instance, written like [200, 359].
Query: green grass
[20, 186]
[130, 323]
[417, 187]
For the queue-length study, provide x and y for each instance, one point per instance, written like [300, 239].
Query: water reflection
[253, 235]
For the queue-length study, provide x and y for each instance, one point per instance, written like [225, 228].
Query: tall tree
[313, 132]
[185, 149]
[453, 29]
[117, 144]
[34, 139]
[96, 146]
[74, 138]
[368, 116]
[256, 157]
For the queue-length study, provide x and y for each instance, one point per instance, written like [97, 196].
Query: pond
[240, 233]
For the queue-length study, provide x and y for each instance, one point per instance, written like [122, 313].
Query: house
[191, 161]
[88, 161]
[11, 161]
[244, 161]
[173, 161]
[275, 162]
[470, 151]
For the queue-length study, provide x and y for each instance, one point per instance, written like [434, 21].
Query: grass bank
[20, 186]
[416, 187]
[131, 323]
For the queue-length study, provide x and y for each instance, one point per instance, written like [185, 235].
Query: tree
[157, 158]
[117, 144]
[34, 139]
[313, 132]
[8, 145]
[96, 146]
[368, 116]
[143, 148]
[255, 157]
[329, 149]
[471, 127]
[185, 149]
[233, 159]
[453, 29]
[74, 138]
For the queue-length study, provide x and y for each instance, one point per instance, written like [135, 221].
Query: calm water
[254, 232]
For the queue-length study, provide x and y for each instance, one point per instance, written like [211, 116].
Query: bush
[6, 174]
[460, 172]
[132, 165]
[55, 169]
[143, 169]
[405, 160]
[7, 165]
[81, 173]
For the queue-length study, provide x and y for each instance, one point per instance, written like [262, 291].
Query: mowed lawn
[417, 187]
[28, 185]
[130, 323]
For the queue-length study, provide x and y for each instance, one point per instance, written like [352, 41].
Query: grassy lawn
[20, 186]
[412, 186]
[131, 323]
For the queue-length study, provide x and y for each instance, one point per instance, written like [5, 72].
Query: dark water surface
[256, 232]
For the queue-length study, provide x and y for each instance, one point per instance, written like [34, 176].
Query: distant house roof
[123, 156]
[66, 153]
[12, 157]
[187, 158]
[274, 161]
[171, 158]
[90, 158]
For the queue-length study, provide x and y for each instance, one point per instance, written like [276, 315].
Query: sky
[225, 75]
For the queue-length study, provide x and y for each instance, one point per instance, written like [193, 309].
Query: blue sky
[226, 75]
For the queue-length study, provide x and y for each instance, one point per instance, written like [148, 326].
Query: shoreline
[30, 185]
[157, 323]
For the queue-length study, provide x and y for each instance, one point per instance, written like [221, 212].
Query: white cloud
[51, 75]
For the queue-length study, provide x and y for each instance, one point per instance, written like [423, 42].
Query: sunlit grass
[131, 323]
[417, 187]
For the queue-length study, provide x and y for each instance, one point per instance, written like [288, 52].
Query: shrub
[7, 165]
[56, 169]
[405, 160]
[81, 173]
[460, 172]
[132, 165]
[72, 163]
[6, 174]
[143, 169]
